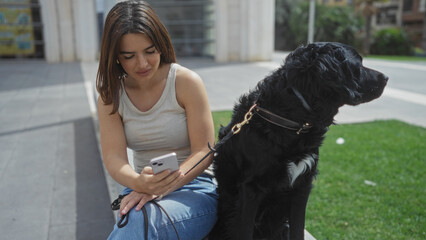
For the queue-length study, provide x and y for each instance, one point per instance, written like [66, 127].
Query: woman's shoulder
[185, 75]
[188, 86]
[105, 109]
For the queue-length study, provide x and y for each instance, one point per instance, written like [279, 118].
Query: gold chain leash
[237, 127]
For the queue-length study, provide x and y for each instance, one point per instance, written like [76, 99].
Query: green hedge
[391, 41]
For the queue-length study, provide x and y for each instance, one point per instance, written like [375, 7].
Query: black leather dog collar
[281, 122]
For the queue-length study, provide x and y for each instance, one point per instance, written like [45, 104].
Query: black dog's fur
[254, 168]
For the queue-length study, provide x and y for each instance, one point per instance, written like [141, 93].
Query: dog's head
[333, 72]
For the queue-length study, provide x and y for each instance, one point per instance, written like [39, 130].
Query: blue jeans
[192, 208]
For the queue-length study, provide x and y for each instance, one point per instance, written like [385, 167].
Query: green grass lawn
[221, 118]
[370, 187]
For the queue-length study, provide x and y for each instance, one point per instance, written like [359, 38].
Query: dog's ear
[305, 69]
[321, 70]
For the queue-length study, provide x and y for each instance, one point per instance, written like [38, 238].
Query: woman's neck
[146, 86]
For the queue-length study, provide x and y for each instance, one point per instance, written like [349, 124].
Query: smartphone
[164, 162]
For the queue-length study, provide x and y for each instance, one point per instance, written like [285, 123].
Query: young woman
[153, 106]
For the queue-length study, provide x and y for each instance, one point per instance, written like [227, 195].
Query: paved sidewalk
[52, 180]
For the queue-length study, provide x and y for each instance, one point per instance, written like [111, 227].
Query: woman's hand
[131, 200]
[154, 185]
[158, 184]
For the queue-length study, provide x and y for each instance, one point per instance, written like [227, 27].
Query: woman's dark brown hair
[128, 17]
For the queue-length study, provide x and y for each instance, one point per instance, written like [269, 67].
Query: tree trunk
[368, 11]
[424, 31]
[367, 37]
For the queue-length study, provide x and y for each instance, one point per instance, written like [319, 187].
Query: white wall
[244, 30]
[69, 30]
[86, 30]
[50, 30]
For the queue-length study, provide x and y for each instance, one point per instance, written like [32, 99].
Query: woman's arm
[114, 154]
[113, 145]
[192, 96]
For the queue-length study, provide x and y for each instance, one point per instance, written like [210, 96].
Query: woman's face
[138, 56]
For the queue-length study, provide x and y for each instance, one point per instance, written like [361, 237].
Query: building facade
[407, 14]
[56, 30]
[389, 14]
[69, 30]
[413, 19]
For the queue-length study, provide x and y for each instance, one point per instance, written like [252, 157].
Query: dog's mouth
[371, 88]
[376, 90]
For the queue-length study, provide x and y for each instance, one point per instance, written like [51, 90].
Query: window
[190, 24]
[407, 5]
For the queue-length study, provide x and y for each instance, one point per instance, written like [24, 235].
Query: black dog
[265, 171]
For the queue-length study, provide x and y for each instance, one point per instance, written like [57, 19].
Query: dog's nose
[385, 77]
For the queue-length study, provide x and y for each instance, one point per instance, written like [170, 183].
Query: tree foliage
[284, 38]
[332, 23]
[368, 9]
[338, 24]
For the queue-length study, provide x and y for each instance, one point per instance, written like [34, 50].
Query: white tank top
[160, 130]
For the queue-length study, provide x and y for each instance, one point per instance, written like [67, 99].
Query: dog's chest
[296, 169]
